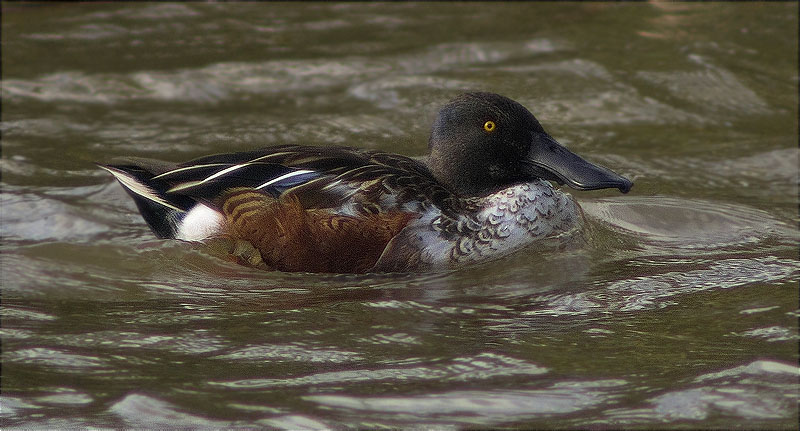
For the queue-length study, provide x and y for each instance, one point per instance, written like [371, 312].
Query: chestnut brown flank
[291, 238]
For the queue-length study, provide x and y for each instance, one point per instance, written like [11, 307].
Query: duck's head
[482, 142]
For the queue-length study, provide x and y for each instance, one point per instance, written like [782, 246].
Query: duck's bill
[550, 160]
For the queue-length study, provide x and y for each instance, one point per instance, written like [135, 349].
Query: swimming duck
[482, 192]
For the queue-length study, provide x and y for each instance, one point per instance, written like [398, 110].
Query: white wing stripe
[231, 169]
[187, 168]
[284, 176]
[222, 172]
[225, 171]
[184, 186]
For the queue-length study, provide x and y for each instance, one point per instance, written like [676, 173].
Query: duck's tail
[180, 201]
[163, 212]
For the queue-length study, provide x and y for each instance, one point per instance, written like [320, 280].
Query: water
[681, 310]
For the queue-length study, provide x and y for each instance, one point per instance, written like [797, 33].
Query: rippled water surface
[681, 310]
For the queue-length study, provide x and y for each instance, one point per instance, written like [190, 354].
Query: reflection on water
[679, 307]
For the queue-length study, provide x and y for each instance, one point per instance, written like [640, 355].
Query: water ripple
[711, 88]
[760, 390]
[482, 366]
[478, 407]
[661, 290]
[290, 353]
[141, 411]
[669, 224]
[55, 358]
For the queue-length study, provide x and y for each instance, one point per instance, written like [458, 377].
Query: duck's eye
[489, 126]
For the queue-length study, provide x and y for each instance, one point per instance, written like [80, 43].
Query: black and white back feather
[320, 177]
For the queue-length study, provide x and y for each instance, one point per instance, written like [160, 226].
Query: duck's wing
[320, 177]
[344, 180]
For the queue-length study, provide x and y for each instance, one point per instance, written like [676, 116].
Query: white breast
[506, 221]
[525, 213]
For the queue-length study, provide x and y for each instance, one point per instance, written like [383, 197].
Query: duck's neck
[463, 176]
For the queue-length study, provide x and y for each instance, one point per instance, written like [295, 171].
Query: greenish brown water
[680, 311]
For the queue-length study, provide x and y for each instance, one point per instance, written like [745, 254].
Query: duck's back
[302, 208]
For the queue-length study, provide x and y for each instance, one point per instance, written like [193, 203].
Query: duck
[487, 188]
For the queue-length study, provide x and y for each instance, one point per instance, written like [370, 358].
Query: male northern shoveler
[481, 193]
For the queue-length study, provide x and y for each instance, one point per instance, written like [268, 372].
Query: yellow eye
[489, 126]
